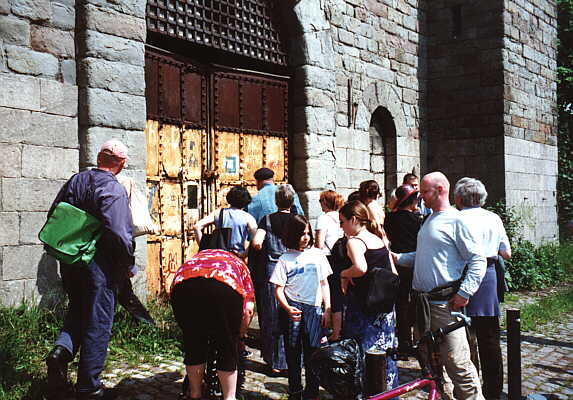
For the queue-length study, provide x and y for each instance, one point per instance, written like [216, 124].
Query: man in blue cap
[263, 203]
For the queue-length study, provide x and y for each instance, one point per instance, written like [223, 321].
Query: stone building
[328, 92]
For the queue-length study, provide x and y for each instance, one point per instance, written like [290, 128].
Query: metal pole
[513, 354]
[375, 372]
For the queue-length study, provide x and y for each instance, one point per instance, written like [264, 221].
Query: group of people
[309, 288]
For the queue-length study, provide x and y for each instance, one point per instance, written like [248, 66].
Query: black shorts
[208, 310]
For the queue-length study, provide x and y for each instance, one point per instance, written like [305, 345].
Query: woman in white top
[328, 229]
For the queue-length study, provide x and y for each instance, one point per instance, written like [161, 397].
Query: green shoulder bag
[70, 234]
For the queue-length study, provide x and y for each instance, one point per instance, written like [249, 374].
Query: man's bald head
[435, 190]
[437, 179]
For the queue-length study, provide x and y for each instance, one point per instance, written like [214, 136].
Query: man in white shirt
[445, 246]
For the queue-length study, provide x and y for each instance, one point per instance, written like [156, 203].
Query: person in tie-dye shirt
[212, 297]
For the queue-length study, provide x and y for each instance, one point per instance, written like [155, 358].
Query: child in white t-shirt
[302, 289]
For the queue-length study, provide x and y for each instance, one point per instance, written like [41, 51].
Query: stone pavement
[547, 368]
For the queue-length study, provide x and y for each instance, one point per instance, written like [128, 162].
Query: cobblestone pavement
[547, 368]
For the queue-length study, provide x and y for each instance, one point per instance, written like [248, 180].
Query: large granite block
[54, 41]
[19, 92]
[112, 109]
[24, 194]
[14, 31]
[21, 262]
[11, 160]
[49, 162]
[58, 98]
[113, 76]
[26, 61]
[113, 48]
[10, 223]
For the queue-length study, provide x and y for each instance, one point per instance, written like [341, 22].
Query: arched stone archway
[382, 113]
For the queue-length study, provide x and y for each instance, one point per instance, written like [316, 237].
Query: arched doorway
[383, 151]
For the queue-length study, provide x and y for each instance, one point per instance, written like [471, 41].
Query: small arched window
[383, 157]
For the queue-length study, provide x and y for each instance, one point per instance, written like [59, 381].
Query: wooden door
[249, 128]
[207, 130]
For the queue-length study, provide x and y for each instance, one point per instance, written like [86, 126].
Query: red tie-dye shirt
[220, 265]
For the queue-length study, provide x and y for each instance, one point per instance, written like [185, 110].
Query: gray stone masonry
[39, 104]
[14, 31]
[38, 138]
[111, 84]
[530, 125]
[335, 42]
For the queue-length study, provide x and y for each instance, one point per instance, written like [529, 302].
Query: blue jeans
[87, 325]
[301, 338]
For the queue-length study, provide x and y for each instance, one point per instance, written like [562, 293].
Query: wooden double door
[208, 129]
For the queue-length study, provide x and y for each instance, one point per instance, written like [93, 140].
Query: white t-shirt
[300, 272]
[329, 224]
[490, 228]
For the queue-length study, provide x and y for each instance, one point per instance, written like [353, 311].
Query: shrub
[534, 267]
[531, 266]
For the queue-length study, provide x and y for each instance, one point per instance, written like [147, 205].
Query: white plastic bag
[142, 223]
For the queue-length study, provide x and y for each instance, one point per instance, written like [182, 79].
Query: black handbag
[381, 290]
[218, 239]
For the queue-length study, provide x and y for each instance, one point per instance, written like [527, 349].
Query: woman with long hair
[366, 250]
[369, 194]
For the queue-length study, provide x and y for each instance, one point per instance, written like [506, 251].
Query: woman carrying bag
[372, 327]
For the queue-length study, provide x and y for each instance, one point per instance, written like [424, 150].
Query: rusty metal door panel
[275, 157]
[170, 207]
[194, 99]
[170, 149]
[192, 153]
[213, 130]
[170, 90]
[154, 203]
[227, 157]
[153, 269]
[151, 86]
[171, 260]
[251, 106]
[251, 156]
[227, 111]
[152, 146]
[276, 108]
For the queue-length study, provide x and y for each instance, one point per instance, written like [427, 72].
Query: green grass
[549, 309]
[27, 334]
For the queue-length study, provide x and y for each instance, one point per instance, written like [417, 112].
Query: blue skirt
[484, 302]
[373, 332]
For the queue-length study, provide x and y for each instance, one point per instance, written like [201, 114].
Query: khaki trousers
[455, 356]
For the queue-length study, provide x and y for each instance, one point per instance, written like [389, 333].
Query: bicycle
[432, 375]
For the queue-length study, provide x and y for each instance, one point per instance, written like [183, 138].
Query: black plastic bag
[339, 367]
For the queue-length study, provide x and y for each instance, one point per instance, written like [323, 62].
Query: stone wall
[43, 139]
[111, 80]
[375, 45]
[38, 136]
[530, 120]
[465, 91]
